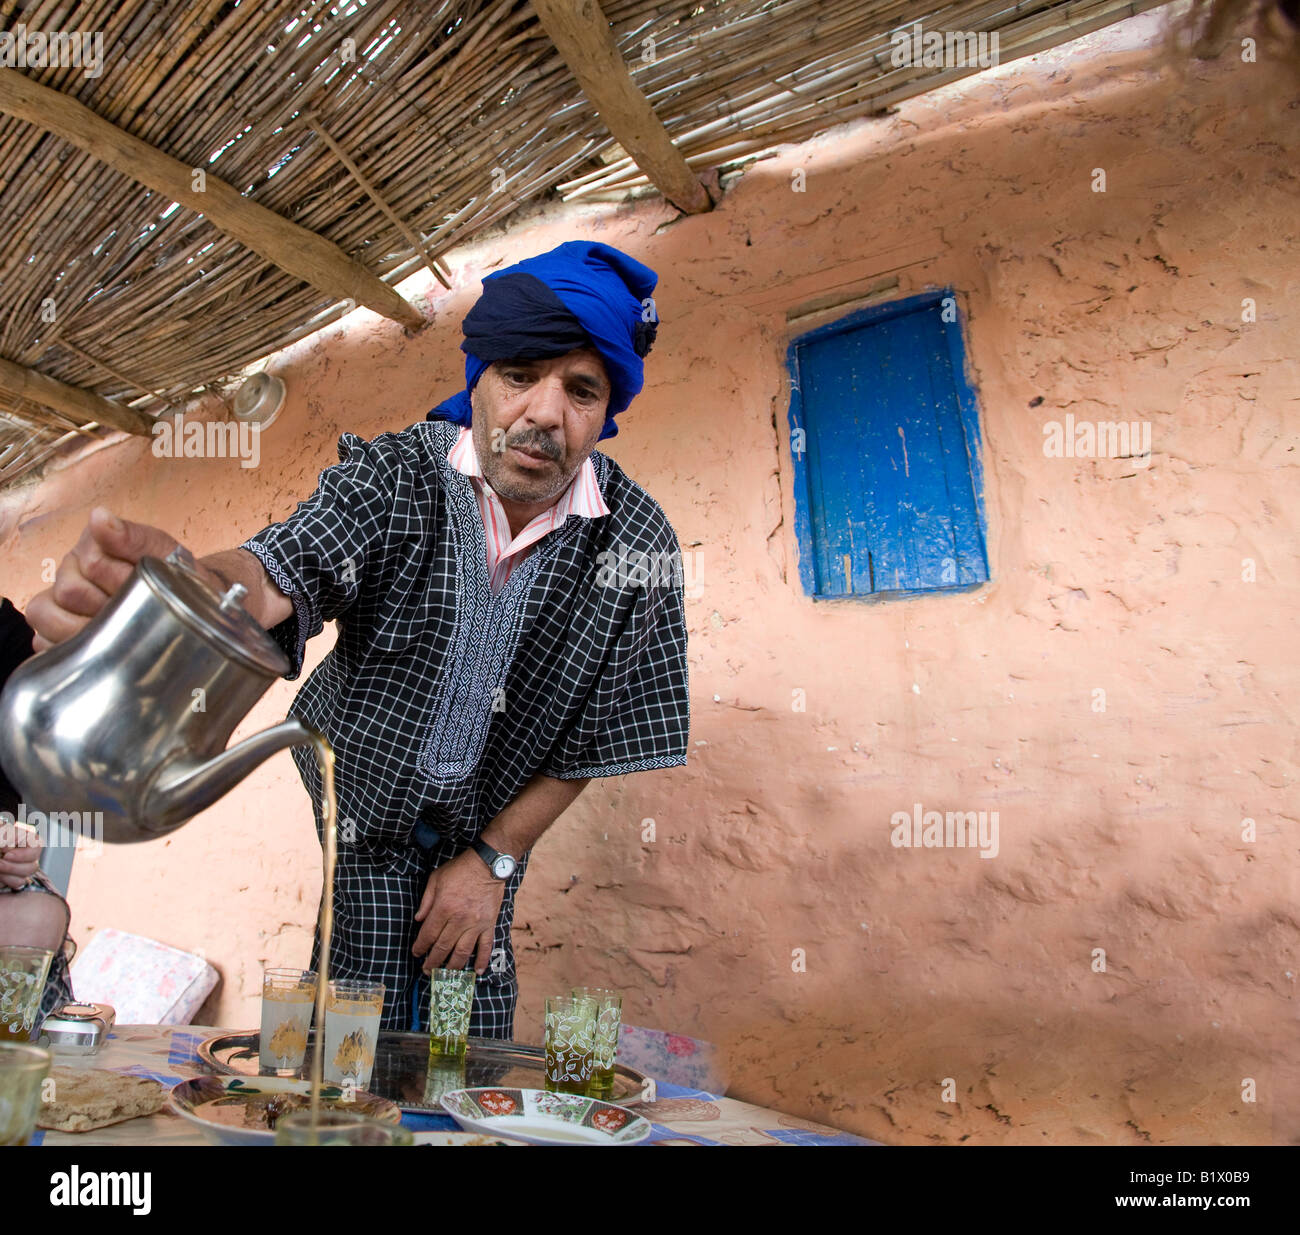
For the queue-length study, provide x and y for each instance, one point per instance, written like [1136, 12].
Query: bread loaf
[83, 1100]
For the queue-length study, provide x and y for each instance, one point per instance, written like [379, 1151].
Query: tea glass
[352, 1013]
[23, 1070]
[609, 1016]
[288, 999]
[22, 983]
[570, 1043]
[451, 999]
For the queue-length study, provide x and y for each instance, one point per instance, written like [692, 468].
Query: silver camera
[77, 1028]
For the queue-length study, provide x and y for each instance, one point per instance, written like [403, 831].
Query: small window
[888, 488]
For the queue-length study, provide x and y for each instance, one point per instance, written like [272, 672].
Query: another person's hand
[100, 563]
[19, 861]
[459, 911]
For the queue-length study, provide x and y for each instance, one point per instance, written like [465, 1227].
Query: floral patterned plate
[233, 1110]
[542, 1118]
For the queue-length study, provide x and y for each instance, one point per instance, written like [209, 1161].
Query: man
[492, 656]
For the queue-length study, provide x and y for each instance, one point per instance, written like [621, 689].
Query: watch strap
[490, 856]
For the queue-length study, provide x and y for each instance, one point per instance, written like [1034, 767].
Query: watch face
[503, 867]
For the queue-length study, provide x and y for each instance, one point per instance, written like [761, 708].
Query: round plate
[542, 1118]
[230, 1109]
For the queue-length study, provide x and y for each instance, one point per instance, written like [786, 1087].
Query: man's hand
[100, 563]
[19, 861]
[459, 911]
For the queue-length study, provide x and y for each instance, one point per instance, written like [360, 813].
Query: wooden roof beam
[582, 35]
[80, 406]
[294, 249]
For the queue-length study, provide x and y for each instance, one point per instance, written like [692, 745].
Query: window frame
[968, 417]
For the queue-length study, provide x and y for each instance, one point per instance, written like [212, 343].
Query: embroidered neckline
[487, 629]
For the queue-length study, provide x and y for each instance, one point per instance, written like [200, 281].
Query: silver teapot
[126, 723]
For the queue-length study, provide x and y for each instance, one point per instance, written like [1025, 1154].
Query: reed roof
[395, 130]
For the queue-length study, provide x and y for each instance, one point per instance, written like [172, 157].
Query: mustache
[538, 443]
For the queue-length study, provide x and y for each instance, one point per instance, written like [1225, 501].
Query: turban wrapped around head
[580, 294]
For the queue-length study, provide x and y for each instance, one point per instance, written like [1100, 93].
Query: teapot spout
[188, 785]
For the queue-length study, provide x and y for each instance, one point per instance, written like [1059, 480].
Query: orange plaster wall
[1119, 830]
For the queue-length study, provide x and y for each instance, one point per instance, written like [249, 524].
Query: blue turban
[580, 294]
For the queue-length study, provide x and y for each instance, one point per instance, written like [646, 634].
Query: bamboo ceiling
[386, 127]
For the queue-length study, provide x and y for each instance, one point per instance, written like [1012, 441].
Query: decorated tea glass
[352, 1013]
[22, 983]
[451, 999]
[570, 1043]
[609, 1018]
[288, 1000]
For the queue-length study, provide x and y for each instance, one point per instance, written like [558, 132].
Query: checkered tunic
[442, 700]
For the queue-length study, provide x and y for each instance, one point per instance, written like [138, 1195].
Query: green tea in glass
[451, 999]
[22, 983]
[570, 1043]
[609, 1017]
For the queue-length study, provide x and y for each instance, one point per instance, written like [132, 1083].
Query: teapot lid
[220, 619]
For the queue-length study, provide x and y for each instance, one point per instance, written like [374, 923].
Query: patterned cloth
[505, 552]
[442, 701]
[169, 1054]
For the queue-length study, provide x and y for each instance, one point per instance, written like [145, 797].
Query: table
[169, 1054]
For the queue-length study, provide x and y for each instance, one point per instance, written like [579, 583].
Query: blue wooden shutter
[888, 486]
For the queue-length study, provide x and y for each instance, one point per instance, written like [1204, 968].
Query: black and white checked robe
[442, 701]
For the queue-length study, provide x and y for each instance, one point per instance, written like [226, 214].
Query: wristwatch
[502, 865]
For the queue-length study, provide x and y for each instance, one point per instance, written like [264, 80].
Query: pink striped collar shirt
[581, 498]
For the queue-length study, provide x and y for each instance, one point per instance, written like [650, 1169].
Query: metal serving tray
[402, 1073]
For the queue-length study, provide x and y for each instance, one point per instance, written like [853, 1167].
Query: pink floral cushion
[673, 1057]
[147, 983]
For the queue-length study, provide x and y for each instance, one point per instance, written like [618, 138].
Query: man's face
[536, 421]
